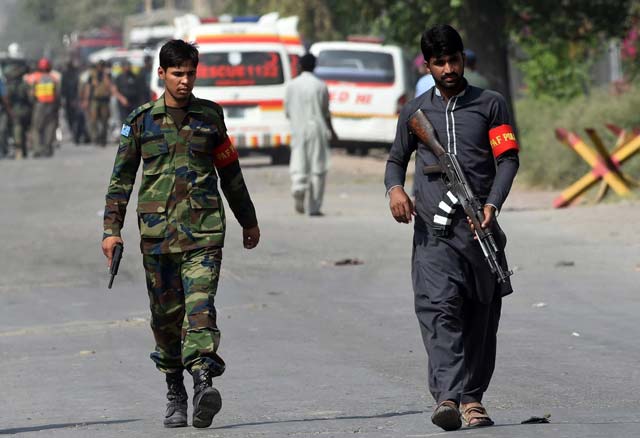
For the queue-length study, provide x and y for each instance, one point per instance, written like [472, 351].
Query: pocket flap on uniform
[153, 145]
[201, 200]
[151, 207]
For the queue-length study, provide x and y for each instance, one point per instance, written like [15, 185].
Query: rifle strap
[445, 211]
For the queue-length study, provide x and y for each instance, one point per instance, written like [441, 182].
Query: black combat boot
[206, 399]
[176, 415]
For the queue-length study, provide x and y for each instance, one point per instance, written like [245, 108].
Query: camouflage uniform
[19, 96]
[182, 222]
[99, 107]
[4, 123]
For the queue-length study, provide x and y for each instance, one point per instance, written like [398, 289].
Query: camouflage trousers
[99, 113]
[20, 129]
[182, 288]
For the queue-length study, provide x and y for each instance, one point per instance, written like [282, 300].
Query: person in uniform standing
[96, 97]
[129, 89]
[5, 119]
[184, 147]
[19, 94]
[457, 299]
[46, 93]
[69, 88]
[307, 108]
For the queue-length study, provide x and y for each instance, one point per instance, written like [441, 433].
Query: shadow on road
[60, 426]
[304, 420]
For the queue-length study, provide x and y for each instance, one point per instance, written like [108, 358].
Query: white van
[368, 85]
[245, 67]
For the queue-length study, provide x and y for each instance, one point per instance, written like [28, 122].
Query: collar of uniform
[194, 106]
[460, 94]
[158, 106]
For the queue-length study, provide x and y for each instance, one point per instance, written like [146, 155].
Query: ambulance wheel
[281, 156]
[358, 151]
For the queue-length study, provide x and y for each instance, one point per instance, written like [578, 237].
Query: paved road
[313, 349]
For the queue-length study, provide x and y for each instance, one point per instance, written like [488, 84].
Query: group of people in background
[31, 99]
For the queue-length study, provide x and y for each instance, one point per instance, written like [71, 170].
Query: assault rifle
[457, 183]
[115, 262]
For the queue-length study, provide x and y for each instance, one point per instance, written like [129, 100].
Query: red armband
[502, 139]
[225, 154]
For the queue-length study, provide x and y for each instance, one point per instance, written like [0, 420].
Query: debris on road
[576, 334]
[348, 262]
[537, 420]
[539, 305]
[565, 263]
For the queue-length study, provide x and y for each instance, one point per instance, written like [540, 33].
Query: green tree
[561, 40]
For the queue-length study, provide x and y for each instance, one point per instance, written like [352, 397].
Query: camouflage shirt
[179, 206]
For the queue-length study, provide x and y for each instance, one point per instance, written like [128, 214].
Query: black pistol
[115, 262]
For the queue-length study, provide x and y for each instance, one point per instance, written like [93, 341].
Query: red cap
[44, 64]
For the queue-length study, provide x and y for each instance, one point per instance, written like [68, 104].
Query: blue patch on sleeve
[126, 130]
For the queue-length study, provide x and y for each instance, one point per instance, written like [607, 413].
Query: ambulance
[368, 83]
[246, 67]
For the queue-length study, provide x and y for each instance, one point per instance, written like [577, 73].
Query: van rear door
[367, 87]
[249, 81]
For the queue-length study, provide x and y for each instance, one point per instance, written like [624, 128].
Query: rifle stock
[423, 129]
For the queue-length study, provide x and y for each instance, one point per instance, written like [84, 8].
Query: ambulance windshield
[355, 66]
[238, 68]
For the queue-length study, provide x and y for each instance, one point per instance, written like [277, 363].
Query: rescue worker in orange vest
[96, 95]
[45, 89]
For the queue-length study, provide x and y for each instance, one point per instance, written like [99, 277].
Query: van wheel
[281, 156]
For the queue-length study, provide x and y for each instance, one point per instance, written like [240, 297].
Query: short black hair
[440, 40]
[176, 53]
[308, 62]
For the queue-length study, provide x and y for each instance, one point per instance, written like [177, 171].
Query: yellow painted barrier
[607, 167]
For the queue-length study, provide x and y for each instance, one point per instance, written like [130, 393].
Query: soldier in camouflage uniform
[18, 93]
[184, 148]
[5, 119]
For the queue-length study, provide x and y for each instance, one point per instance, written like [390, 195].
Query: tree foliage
[561, 40]
[41, 24]
[68, 16]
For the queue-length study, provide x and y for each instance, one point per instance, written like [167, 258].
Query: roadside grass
[547, 163]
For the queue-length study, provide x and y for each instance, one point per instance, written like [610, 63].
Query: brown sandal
[475, 415]
[447, 416]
